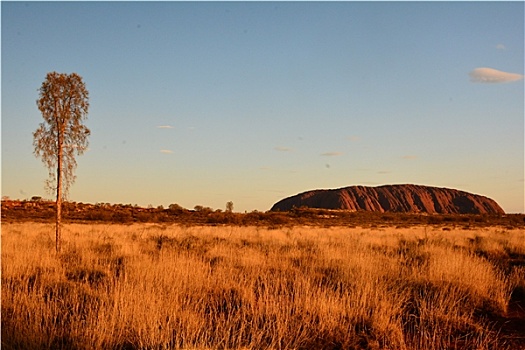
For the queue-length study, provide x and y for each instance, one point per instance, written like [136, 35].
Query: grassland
[159, 286]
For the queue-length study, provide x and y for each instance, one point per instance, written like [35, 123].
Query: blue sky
[201, 103]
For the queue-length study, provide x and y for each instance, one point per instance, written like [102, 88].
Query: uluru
[393, 198]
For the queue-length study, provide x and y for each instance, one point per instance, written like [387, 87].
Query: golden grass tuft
[152, 286]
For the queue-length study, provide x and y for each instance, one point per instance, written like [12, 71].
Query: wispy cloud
[282, 149]
[166, 151]
[165, 127]
[331, 154]
[490, 75]
[500, 47]
[409, 157]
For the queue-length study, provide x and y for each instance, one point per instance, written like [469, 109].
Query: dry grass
[163, 287]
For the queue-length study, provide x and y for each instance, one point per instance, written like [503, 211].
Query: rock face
[393, 198]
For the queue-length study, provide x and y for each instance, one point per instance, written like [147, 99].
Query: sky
[201, 103]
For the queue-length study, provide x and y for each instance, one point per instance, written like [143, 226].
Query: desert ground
[171, 286]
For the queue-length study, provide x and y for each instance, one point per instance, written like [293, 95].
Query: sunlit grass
[162, 287]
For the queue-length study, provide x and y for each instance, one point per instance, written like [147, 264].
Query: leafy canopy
[63, 102]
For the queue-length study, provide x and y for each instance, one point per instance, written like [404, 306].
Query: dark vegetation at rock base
[38, 210]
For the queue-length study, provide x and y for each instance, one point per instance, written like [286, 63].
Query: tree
[229, 207]
[64, 103]
[175, 207]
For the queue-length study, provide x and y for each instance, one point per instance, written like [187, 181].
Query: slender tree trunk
[59, 192]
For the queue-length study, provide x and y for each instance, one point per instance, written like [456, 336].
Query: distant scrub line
[13, 211]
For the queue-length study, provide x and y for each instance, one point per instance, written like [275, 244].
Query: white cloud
[282, 149]
[165, 127]
[331, 154]
[166, 151]
[490, 75]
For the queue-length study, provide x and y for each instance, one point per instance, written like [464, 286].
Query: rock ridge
[393, 198]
